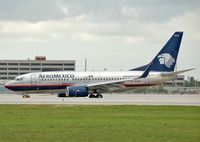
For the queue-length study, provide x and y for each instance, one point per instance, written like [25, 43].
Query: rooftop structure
[9, 69]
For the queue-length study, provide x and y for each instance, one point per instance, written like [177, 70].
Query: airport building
[9, 69]
[179, 81]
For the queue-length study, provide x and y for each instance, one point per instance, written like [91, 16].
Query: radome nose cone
[7, 85]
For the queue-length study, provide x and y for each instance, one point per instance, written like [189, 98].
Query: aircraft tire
[99, 96]
[25, 96]
[92, 96]
[61, 95]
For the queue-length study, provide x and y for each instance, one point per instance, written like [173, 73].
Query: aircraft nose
[8, 84]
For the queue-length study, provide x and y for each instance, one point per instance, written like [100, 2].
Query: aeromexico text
[56, 76]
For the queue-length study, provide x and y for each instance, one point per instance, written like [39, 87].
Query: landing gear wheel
[99, 96]
[92, 96]
[25, 96]
[61, 95]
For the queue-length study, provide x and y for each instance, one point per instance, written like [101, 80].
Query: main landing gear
[92, 95]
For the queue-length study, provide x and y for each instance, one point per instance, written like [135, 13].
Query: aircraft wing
[116, 84]
[110, 85]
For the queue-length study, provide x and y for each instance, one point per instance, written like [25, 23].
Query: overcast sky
[112, 34]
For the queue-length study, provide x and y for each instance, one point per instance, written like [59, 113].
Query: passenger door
[34, 82]
[33, 79]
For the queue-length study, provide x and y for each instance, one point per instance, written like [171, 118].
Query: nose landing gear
[25, 96]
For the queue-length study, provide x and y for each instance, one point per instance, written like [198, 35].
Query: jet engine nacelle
[77, 91]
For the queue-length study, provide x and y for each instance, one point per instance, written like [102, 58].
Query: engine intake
[77, 91]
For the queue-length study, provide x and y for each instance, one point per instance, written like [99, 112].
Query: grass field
[59, 123]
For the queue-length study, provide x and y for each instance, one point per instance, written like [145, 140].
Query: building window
[13, 73]
[24, 68]
[68, 69]
[52, 69]
[3, 77]
[13, 64]
[12, 68]
[5, 64]
[24, 64]
[35, 69]
[3, 68]
[52, 64]
[35, 64]
[69, 64]
[11, 77]
[23, 73]
[179, 78]
[3, 73]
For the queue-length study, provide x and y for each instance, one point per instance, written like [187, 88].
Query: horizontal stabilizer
[176, 73]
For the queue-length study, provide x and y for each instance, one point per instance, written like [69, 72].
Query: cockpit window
[19, 79]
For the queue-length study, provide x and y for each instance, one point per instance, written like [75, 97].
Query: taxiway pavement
[108, 99]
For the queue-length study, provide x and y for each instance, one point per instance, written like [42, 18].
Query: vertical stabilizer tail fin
[165, 60]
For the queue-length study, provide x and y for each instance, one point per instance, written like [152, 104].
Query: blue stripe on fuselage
[36, 87]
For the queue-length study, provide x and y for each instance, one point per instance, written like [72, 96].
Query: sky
[112, 34]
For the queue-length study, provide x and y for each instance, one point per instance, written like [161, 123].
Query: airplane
[91, 84]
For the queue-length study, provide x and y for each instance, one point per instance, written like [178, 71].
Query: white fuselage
[57, 82]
